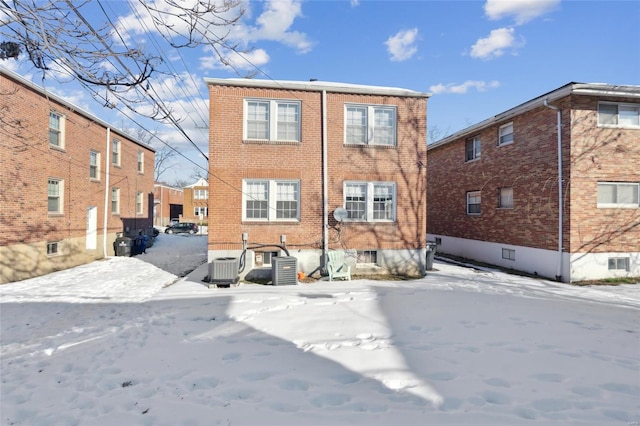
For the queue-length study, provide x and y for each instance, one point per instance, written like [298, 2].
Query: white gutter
[106, 192]
[560, 198]
[325, 180]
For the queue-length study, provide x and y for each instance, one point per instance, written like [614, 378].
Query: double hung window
[472, 149]
[505, 198]
[115, 200]
[618, 194]
[56, 129]
[370, 125]
[115, 152]
[55, 192]
[505, 134]
[474, 202]
[94, 165]
[270, 200]
[272, 120]
[370, 201]
[140, 162]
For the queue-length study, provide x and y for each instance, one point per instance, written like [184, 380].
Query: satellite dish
[340, 214]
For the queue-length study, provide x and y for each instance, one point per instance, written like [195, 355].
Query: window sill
[617, 126]
[473, 160]
[56, 214]
[57, 148]
[368, 145]
[269, 142]
[269, 222]
[94, 180]
[504, 208]
[618, 206]
[505, 144]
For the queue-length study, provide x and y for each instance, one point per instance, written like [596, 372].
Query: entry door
[92, 227]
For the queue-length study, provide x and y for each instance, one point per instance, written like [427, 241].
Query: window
[139, 203]
[55, 190]
[370, 201]
[618, 194]
[369, 257]
[438, 241]
[200, 210]
[505, 134]
[472, 149]
[271, 200]
[262, 124]
[265, 258]
[53, 248]
[505, 198]
[140, 162]
[115, 200]
[94, 164]
[473, 202]
[370, 125]
[618, 263]
[200, 194]
[618, 115]
[115, 152]
[56, 129]
[509, 254]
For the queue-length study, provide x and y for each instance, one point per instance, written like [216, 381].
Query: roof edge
[317, 86]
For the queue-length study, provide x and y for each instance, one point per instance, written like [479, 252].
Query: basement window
[53, 248]
[509, 254]
[367, 257]
[618, 263]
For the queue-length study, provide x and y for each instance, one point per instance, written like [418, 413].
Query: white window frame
[273, 121]
[94, 165]
[633, 111]
[475, 196]
[635, 191]
[271, 197]
[139, 203]
[366, 257]
[200, 194]
[614, 264]
[370, 127]
[476, 152]
[58, 194]
[115, 200]
[200, 209]
[369, 195]
[505, 198]
[116, 152]
[141, 162]
[505, 134]
[59, 131]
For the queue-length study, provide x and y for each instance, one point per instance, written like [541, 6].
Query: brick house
[196, 202]
[168, 203]
[497, 192]
[288, 159]
[69, 182]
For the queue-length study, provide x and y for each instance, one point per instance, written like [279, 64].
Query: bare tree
[57, 34]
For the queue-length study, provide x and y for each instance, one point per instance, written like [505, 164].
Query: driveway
[178, 254]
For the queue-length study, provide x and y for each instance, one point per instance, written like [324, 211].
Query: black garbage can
[431, 253]
[122, 246]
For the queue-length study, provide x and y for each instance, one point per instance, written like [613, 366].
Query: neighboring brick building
[196, 202]
[493, 188]
[168, 203]
[69, 182]
[285, 155]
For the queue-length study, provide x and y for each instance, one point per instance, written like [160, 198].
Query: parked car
[184, 227]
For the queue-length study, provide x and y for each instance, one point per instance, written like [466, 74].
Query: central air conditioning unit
[223, 271]
[284, 270]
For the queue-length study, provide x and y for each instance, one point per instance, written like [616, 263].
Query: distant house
[502, 192]
[196, 202]
[168, 203]
[69, 182]
[315, 166]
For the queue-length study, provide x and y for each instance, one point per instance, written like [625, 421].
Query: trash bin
[122, 246]
[431, 252]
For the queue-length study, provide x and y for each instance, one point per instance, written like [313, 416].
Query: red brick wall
[27, 161]
[232, 160]
[528, 165]
[605, 155]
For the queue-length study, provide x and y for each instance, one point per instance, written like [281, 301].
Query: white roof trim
[317, 86]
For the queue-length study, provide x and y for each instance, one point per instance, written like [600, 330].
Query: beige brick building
[494, 192]
[284, 156]
[69, 182]
[196, 202]
[168, 203]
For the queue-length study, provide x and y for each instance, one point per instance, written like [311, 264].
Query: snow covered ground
[121, 342]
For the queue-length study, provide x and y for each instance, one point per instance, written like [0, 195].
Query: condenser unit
[284, 270]
[223, 271]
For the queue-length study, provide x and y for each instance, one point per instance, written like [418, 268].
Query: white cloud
[239, 61]
[274, 24]
[522, 10]
[461, 89]
[402, 46]
[495, 44]
[355, 3]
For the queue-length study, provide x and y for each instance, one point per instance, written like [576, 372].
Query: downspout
[325, 189]
[106, 192]
[560, 198]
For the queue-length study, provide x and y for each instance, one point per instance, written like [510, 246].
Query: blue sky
[476, 58]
